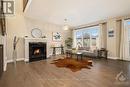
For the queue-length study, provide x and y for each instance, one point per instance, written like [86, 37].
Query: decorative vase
[14, 56]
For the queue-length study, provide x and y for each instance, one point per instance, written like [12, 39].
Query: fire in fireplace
[37, 51]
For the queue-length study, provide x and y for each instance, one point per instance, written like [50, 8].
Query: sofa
[91, 54]
[86, 52]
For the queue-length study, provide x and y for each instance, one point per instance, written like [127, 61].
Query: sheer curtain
[100, 45]
[124, 42]
[74, 39]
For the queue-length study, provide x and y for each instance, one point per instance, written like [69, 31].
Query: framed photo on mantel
[56, 36]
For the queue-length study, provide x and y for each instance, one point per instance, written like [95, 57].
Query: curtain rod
[89, 26]
[98, 24]
[126, 18]
[86, 27]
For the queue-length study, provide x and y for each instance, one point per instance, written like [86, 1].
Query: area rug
[73, 64]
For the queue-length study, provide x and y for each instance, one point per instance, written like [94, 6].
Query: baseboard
[5, 66]
[10, 61]
[19, 59]
[23, 59]
[114, 58]
[127, 59]
[5, 63]
[117, 58]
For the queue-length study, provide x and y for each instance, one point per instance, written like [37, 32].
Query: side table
[103, 53]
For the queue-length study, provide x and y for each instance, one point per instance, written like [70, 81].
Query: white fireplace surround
[27, 41]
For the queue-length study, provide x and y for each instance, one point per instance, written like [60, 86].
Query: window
[88, 38]
[79, 38]
[127, 36]
[128, 23]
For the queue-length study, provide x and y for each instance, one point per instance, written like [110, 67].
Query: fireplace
[37, 51]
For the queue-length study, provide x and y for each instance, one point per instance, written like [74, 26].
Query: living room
[65, 32]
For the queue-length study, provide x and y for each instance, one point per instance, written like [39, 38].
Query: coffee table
[70, 53]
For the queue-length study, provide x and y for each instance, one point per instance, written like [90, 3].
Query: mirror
[36, 33]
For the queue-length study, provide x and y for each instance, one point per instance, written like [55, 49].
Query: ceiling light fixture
[65, 27]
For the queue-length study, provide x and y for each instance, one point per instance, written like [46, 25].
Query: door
[1, 60]
[129, 36]
[127, 27]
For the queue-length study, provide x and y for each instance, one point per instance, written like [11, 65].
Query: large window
[128, 23]
[127, 37]
[88, 37]
[79, 38]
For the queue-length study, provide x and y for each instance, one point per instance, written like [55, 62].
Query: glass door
[128, 29]
[129, 35]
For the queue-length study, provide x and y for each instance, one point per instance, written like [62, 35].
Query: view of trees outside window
[79, 38]
[88, 37]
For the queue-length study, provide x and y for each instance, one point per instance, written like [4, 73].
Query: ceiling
[77, 12]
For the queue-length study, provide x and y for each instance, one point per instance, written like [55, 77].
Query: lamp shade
[65, 27]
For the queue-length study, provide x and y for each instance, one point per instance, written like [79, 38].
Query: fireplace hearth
[37, 51]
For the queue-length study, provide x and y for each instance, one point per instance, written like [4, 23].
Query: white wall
[20, 26]
[47, 30]
[113, 43]
[16, 26]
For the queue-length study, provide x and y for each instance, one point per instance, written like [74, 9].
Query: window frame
[128, 26]
[89, 33]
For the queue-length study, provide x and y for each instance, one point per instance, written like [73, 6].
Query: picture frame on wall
[111, 33]
[56, 36]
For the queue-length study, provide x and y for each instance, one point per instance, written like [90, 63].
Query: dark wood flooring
[44, 74]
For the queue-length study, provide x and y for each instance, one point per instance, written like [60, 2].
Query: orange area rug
[73, 64]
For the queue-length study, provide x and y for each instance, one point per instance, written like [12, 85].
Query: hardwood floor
[44, 74]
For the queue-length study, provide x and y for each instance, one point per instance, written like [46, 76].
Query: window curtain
[102, 36]
[124, 45]
[74, 39]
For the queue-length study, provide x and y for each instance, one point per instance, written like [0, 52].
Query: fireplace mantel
[27, 41]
